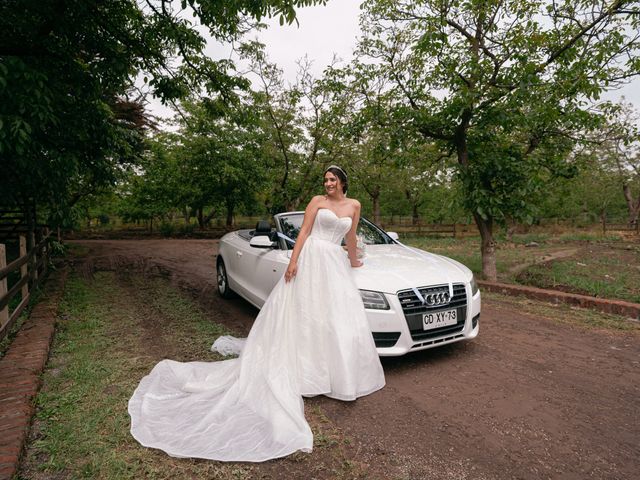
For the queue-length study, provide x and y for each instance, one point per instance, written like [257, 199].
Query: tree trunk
[375, 199]
[200, 218]
[209, 216]
[186, 213]
[414, 217]
[487, 248]
[230, 208]
[511, 229]
[488, 244]
[632, 206]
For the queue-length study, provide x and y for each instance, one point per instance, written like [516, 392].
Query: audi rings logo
[437, 298]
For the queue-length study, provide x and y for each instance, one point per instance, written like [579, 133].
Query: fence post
[454, 231]
[24, 270]
[45, 249]
[34, 258]
[4, 313]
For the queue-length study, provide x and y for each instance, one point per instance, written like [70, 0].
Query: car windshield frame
[285, 245]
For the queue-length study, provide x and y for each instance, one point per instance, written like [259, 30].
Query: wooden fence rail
[32, 265]
[454, 230]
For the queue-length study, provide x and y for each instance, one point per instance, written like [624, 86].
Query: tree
[303, 124]
[504, 85]
[152, 190]
[619, 150]
[65, 66]
[220, 157]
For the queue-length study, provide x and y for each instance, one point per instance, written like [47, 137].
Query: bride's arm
[307, 222]
[351, 237]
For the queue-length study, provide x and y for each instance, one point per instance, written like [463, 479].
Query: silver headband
[337, 168]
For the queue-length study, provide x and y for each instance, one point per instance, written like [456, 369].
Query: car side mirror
[261, 241]
[393, 235]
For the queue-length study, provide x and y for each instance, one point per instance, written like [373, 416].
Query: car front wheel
[223, 281]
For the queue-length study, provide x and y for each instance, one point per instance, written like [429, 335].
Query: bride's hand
[292, 269]
[356, 264]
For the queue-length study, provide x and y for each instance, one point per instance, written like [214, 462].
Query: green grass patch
[100, 353]
[585, 263]
[591, 275]
[112, 330]
[588, 237]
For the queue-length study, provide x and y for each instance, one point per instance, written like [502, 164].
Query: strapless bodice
[329, 227]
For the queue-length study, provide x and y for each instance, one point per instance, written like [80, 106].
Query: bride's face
[332, 184]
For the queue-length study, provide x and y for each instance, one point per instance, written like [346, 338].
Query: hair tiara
[337, 168]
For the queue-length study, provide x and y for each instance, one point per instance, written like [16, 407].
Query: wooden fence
[30, 265]
[455, 230]
[620, 228]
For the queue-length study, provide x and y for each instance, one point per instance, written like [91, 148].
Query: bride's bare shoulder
[317, 200]
[355, 203]
[315, 203]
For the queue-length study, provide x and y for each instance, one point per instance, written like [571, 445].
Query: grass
[595, 275]
[82, 425]
[112, 330]
[587, 263]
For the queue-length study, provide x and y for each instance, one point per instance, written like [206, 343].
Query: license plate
[439, 319]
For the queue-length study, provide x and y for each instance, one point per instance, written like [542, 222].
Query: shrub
[167, 229]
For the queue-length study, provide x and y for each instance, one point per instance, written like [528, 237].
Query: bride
[311, 337]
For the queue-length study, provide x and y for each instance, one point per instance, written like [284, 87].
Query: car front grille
[414, 310]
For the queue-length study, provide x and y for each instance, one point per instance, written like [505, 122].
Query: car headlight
[474, 286]
[374, 300]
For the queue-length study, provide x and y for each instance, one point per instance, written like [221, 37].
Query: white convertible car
[414, 299]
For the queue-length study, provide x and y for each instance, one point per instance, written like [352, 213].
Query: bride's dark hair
[339, 172]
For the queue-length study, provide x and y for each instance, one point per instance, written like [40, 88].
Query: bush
[167, 229]
[57, 249]
[186, 229]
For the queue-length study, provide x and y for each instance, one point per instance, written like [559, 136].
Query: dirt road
[530, 398]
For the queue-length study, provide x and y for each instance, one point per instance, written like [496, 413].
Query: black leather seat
[262, 228]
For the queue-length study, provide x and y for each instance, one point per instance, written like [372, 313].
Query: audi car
[414, 299]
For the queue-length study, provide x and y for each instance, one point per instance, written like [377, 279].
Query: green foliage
[221, 158]
[507, 86]
[214, 161]
[167, 229]
[66, 69]
[303, 126]
[150, 192]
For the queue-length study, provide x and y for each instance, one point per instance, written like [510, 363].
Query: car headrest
[262, 228]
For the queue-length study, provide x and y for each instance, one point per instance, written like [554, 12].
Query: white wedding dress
[310, 338]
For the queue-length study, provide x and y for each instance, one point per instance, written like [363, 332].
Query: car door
[232, 251]
[262, 268]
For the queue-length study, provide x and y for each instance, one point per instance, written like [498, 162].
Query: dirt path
[530, 398]
[548, 257]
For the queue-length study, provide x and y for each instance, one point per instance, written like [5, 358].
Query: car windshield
[371, 234]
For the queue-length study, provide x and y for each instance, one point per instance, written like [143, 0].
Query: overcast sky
[325, 30]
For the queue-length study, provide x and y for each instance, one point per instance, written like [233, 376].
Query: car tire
[222, 280]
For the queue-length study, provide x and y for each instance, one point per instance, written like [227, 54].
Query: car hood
[389, 268]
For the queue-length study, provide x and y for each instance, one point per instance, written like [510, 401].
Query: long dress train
[311, 337]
